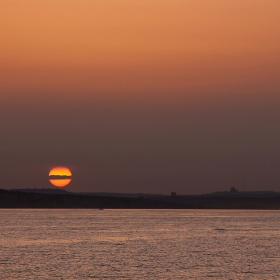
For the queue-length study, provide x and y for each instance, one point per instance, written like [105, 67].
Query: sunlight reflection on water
[139, 244]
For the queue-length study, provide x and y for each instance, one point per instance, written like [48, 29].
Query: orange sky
[130, 47]
[153, 96]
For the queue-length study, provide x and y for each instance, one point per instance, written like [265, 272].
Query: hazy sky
[141, 96]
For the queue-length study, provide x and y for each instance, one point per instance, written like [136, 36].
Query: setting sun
[60, 176]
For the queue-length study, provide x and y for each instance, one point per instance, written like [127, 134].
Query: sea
[139, 244]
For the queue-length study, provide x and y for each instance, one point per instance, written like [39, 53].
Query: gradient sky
[141, 96]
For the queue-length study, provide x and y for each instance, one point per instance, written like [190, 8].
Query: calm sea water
[139, 244]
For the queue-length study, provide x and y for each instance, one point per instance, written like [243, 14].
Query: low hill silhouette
[20, 199]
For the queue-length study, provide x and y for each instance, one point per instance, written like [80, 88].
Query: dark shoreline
[17, 199]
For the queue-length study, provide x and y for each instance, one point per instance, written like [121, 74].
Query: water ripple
[139, 244]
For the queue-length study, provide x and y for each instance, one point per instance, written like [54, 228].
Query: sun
[60, 176]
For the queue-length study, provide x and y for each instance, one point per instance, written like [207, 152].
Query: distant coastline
[57, 198]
